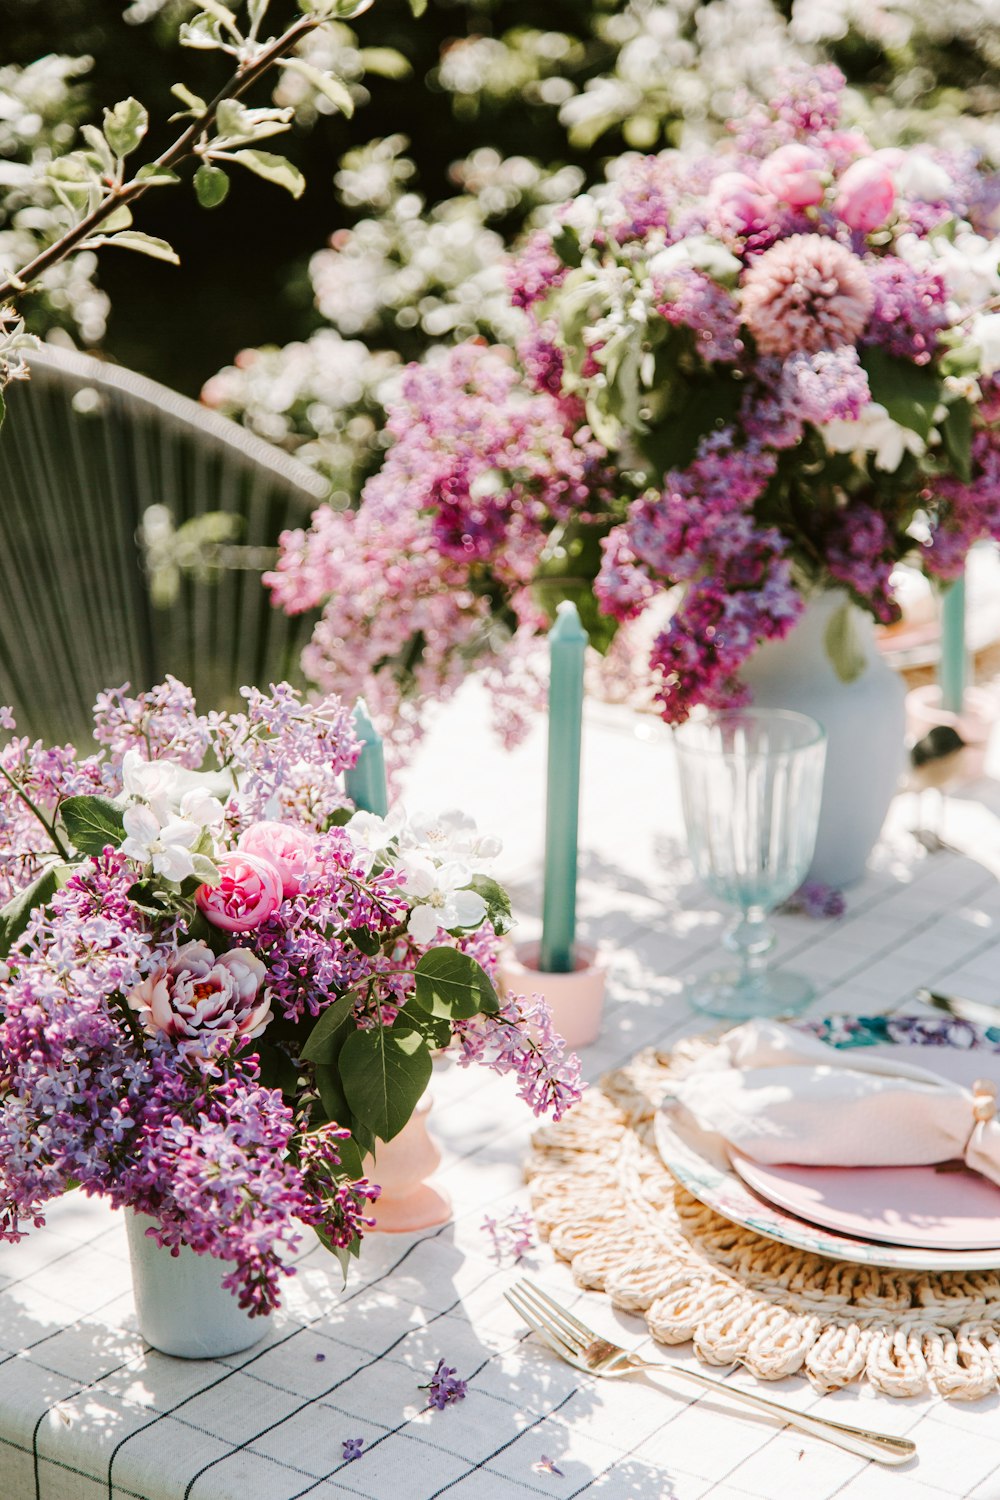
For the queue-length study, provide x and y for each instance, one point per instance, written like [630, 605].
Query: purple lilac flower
[910, 309]
[546, 1465]
[825, 387]
[519, 1039]
[352, 1449]
[814, 899]
[444, 1386]
[512, 1236]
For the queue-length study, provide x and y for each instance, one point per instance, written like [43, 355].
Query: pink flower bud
[248, 893]
[794, 174]
[865, 195]
[287, 848]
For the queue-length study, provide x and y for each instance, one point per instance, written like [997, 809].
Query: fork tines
[563, 1332]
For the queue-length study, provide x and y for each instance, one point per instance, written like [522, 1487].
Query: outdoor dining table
[89, 1412]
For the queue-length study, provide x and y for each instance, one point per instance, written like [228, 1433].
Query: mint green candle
[567, 644]
[365, 782]
[954, 661]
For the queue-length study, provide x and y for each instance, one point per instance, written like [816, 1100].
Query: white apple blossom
[918, 176]
[168, 847]
[700, 252]
[449, 835]
[874, 432]
[986, 333]
[373, 836]
[440, 895]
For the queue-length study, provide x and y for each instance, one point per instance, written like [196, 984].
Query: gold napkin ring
[984, 1100]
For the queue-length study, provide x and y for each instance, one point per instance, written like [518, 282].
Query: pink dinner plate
[923, 1207]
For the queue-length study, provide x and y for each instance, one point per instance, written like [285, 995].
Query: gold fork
[579, 1345]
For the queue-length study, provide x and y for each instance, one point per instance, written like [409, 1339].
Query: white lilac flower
[874, 432]
[441, 897]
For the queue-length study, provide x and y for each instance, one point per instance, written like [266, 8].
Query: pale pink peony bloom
[794, 174]
[865, 195]
[249, 891]
[738, 202]
[196, 998]
[804, 294]
[287, 848]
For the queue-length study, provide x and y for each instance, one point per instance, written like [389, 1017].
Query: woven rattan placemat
[609, 1206]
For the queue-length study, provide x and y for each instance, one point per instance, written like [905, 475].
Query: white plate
[699, 1159]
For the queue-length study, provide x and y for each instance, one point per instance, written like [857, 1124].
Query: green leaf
[277, 1071]
[352, 1163]
[566, 244]
[125, 126]
[156, 176]
[120, 219]
[497, 903]
[195, 104]
[134, 239]
[384, 1071]
[325, 84]
[435, 1029]
[92, 823]
[367, 942]
[15, 916]
[211, 185]
[97, 141]
[956, 430]
[332, 1096]
[326, 1038]
[3, 408]
[453, 985]
[842, 645]
[418, 7]
[910, 393]
[276, 169]
[386, 62]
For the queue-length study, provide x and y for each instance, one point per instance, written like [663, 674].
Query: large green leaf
[92, 823]
[276, 169]
[957, 433]
[14, 917]
[384, 1071]
[327, 1036]
[910, 393]
[842, 645]
[125, 126]
[453, 985]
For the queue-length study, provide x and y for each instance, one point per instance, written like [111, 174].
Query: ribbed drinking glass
[751, 782]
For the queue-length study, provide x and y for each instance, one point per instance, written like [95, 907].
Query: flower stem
[49, 827]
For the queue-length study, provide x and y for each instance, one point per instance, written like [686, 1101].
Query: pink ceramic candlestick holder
[576, 1000]
[401, 1168]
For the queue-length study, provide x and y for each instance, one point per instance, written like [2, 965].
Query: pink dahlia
[196, 997]
[805, 294]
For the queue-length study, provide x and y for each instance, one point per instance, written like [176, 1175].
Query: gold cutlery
[580, 1346]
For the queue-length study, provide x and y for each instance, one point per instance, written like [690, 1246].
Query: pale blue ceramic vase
[181, 1305]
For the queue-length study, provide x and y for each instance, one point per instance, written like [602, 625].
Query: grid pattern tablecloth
[87, 1412]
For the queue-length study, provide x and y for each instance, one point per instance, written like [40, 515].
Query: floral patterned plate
[699, 1160]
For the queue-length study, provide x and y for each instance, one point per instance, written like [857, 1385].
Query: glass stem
[751, 939]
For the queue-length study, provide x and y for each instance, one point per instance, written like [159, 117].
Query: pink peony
[794, 174]
[195, 997]
[805, 294]
[738, 202]
[865, 195]
[287, 848]
[248, 893]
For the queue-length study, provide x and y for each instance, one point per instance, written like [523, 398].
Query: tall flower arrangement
[774, 370]
[220, 989]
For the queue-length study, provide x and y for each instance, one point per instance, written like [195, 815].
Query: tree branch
[127, 192]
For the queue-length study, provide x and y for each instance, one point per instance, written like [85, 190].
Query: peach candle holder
[975, 722]
[576, 1000]
[401, 1168]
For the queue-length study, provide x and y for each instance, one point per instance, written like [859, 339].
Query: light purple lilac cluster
[146, 966]
[747, 374]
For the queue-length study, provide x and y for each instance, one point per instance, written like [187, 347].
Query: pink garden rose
[248, 893]
[794, 174]
[287, 848]
[195, 997]
[865, 195]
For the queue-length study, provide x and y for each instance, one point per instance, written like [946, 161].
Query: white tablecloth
[87, 1412]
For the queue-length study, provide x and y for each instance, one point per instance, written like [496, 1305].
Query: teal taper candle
[567, 644]
[954, 660]
[365, 782]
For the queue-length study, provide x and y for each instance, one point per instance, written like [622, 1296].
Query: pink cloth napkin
[783, 1096]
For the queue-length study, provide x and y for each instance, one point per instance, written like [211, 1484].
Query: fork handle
[878, 1446]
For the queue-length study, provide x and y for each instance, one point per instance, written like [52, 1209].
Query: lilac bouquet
[744, 376]
[221, 986]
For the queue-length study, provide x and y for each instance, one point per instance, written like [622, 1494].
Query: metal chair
[134, 526]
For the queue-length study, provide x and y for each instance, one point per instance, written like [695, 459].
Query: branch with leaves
[98, 185]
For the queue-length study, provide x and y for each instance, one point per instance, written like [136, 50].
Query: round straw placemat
[609, 1206]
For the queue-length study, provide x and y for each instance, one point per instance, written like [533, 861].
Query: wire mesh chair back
[102, 475]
